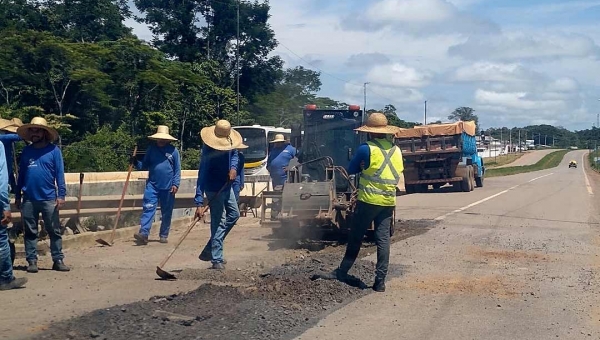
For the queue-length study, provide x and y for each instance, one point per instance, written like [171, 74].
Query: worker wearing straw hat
[237, 185]
[164, 176]
[218, 170]
[9, 137]
[279, 158]
[380, 165]
[41, 189]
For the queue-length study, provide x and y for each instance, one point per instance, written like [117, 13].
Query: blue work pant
[224, 213]
[236, 191]
[6, 270]
[152, 197]
[30, 212]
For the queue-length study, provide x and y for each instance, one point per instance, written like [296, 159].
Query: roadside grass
[551, 160]
[493, 162]
[593, 164]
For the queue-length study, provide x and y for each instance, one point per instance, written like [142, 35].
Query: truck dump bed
[439, 138]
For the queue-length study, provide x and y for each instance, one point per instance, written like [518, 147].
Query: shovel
[78, 226]
[165, 275]
[112, 235]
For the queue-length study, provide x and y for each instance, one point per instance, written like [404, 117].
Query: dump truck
[319, 192]
[440, 154]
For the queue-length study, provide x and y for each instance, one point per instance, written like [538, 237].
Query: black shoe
[379, 285]
[218, 266]
[15, 283]
[205, 257]
[32, 267]
[140, 239]
[60, 266]
[336, 274]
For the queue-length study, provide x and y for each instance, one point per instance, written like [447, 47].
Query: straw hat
[242, 146]
[10, 125]
[279, 138]
[221, 136]
[40, 123]
[377, 123]
[162, 133]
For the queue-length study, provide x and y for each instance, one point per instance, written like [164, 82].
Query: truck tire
[472, 177]
[467, 185]
[479, 182]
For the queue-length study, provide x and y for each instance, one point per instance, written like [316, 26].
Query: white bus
[257, 138]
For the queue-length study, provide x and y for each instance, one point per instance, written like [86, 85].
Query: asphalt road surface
[517, 259]
[529, 158]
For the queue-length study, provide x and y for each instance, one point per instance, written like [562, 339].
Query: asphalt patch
[280, 303]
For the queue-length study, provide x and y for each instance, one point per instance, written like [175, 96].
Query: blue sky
[515, 62]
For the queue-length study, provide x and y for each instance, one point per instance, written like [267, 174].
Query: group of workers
[40, 188]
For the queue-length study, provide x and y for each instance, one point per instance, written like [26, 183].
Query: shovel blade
[102, 242]
[164, 274]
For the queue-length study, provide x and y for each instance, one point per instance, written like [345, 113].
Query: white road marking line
[535, 179]
[442, 217]
[587, 180]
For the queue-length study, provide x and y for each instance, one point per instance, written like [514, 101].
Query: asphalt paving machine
[319, 192]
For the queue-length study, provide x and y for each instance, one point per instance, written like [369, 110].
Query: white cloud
[398, 75]
[418, 17]
[494, 72]
[354, 93]
[520, 46]
[367, 60]
[516, 100]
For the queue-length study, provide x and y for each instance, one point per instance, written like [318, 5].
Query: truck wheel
[472, 177]
[465, 185]
[479, 182]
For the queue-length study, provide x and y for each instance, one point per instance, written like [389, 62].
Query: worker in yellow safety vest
[380, 165]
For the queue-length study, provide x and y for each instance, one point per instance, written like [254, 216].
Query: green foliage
[464, 114]
[105, 150]
[190, 159]
[393, 119]
[551, 160]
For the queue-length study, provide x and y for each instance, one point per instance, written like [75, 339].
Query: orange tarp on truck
[448, 129]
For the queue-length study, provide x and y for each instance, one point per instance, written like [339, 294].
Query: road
[518, 259]
[528, 158]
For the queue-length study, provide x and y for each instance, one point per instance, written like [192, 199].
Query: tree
[393, 119]
[178, 31]
[283, 106]
[463, 114]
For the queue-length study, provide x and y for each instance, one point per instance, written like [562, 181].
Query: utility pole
[501, 140]
[520, 141]
[237, 62]
[510, 140]
[545, 140]
[425, 121]
[365, 89]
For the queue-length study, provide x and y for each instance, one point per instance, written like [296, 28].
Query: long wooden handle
[112, 235]
[80, 189]
[183, 236]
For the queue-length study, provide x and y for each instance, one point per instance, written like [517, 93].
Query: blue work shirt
[163, 165]
[41, 171]
[213, 171]
[4, 181]
[278, 159]
[239, 179]
[363, 154]
[8, 140]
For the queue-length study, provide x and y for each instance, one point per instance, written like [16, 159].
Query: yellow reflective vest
[377, 184]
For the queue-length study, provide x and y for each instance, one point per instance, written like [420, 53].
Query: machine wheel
[479, 182]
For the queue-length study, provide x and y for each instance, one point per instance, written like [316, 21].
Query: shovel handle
[183, 236]
[81, 178]
[112, 234]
